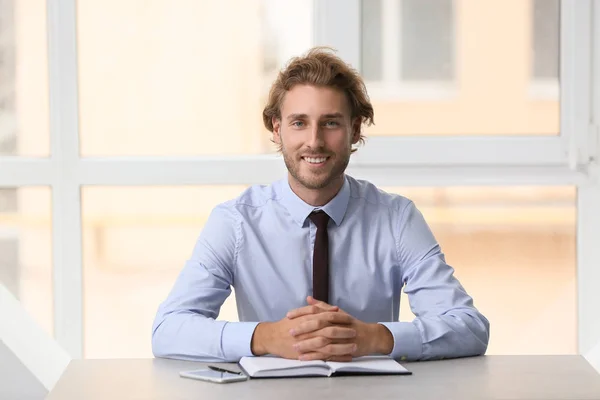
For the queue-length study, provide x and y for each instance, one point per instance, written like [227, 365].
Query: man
[318, 260]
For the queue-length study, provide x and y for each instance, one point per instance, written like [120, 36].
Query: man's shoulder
[372, 195]
[255, 196]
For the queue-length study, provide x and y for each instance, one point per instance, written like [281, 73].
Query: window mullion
[391, 42]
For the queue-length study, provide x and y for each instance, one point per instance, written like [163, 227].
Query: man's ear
[356, 125]
[276, 130]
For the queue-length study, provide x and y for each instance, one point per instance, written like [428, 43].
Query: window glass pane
[24, 127]
[546, 38]
[513, 249]
[25, 250]
[488, 72]
[156, 79]
[135, 242]
[371, 56]
[426, 39]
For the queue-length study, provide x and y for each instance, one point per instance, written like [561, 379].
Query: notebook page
[275, 366]
[373, 364]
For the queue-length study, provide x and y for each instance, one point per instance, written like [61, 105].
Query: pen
[223, 370]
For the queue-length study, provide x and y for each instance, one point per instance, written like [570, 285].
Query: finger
[312, 301]
[314, 356]
[338, 332]
[320, 321]
[308, 327]
[302, 311]
[335, 318]
[315, 343]
[331, 332]
[311, 345]
[321, 304]
[328, 351]
[308, 310]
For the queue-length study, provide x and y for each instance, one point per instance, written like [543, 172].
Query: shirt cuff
[407, 340]
[236, 340]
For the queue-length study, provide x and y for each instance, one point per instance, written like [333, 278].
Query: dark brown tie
[321, 257]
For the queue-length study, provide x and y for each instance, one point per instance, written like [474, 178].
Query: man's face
[316, 134]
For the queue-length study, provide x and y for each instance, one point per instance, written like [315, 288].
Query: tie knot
[320, 219]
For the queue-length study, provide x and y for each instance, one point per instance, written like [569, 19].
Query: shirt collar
[299, 210]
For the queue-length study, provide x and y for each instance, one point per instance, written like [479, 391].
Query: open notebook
[274, 367]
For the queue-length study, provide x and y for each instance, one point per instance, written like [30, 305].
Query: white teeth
[315, 160]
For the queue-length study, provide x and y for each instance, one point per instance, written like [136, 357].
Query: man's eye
[298, 124]
[332, 124]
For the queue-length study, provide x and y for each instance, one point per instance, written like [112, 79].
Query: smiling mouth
[315, 160]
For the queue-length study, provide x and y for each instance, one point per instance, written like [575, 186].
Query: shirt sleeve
[446, 324]
[185, 326]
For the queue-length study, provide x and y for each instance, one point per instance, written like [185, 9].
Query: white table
[488, 377]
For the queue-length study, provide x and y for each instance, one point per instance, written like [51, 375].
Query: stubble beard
[321, 181]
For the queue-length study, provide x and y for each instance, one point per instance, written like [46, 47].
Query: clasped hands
[320, 331]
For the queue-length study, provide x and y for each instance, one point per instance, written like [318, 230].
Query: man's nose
[315, 139]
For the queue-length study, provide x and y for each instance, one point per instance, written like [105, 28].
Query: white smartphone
[210, 375]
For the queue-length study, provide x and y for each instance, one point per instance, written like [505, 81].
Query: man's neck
[316, 197]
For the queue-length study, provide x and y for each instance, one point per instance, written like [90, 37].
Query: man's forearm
[260, 339]
[382, 339]
[446, 336]
[191, 336]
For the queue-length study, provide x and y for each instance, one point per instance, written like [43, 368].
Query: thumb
[321, 304]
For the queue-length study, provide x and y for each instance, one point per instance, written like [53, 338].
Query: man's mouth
[315, 160]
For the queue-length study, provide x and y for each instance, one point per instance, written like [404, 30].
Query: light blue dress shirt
[261, 243]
